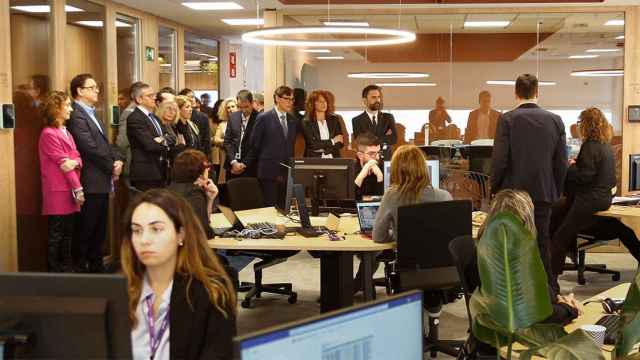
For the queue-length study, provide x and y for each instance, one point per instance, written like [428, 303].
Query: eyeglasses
[94, 87]
[372, 153]
[287, 98]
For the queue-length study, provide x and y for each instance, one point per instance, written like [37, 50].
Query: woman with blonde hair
[182, 304]
[590, 180]
[217, 149]
[184, 126]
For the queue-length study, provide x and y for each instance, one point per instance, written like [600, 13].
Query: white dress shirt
[325, 135]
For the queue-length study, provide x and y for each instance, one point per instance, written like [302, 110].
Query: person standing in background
[322, 131]
[373, 120]
[121, 140]
[237, 136]
[482, 122]
[218, 156]
[62, 193]
[201, 120]
[258, 102]
[438, 120]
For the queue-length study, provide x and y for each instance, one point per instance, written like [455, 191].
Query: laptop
[367, 216]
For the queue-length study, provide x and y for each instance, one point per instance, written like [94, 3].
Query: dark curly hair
[310, 107]
[594, 126]
[52, 107]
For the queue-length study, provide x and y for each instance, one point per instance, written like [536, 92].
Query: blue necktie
[283, 122]
[156, 124]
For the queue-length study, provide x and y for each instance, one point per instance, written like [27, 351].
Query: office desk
[628, 215]
[336, 266]
[592, 312]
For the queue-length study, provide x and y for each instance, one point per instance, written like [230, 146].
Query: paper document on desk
[625, 200]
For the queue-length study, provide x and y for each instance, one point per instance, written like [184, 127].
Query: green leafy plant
[513, 297]
[630, 333]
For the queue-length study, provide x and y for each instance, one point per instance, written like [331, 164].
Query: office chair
[244, 194]
[463, 253]
[424, 261]
[467, 185]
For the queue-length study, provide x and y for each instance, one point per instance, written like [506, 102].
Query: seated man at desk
[370, 178]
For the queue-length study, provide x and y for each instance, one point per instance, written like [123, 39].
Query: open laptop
[367, 216]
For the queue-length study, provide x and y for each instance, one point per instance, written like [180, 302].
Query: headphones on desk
[609, 305]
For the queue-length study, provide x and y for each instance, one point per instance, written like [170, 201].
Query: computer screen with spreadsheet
[386, 329]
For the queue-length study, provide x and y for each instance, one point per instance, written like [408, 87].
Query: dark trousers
[269, 191]
[578, 216]
[542, 219]
[148, 185]
[91, 230]
[59, 242]
[612, 228]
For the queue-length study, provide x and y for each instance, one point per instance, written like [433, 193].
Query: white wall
[249, 68]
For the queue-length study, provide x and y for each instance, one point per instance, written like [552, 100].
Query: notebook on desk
[367, 216]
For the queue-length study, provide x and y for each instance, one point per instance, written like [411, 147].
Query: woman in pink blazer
[62, 194]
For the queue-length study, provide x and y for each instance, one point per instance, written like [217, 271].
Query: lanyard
[154, 339]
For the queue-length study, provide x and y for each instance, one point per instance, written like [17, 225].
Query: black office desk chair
[424, 262]
[244, 194]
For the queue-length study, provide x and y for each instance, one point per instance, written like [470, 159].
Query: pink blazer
[54, 146]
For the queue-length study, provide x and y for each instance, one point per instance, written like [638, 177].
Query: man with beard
[374, 121]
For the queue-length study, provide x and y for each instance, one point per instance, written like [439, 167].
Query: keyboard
[261, 226]
[613, 324]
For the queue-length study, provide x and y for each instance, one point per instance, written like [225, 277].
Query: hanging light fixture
[388, 75]
[598, 73]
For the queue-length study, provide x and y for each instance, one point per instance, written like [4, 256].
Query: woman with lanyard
[182, 304]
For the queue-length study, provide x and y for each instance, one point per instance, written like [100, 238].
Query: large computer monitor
[385, 329]
[325, 179]
[65, 316]
[285, 189]
[480, 158]
[433, 168]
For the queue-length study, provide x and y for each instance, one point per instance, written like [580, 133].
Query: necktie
[242, 128]
[373, 120]
[155, 123]
[283, 122]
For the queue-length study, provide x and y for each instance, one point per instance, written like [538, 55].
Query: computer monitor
[385, 329]
[480, 158]
[433, 168]
[325, 179]
[285, 189]
[65, 316]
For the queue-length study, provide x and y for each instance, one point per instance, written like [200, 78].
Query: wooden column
[8, 231]
[111, 65]
[149, 38]
[630, 131]
[273, 60]
[182, 83]
[57, 25]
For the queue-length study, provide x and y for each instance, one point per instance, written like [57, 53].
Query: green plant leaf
[539, 335]
[630, 334]
[513, 281]
[575, 346]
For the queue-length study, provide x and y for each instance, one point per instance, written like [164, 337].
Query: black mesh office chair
[245, 194]
[424, 261]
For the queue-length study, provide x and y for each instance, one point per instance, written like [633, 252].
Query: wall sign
[232, 65]
[149, 53]
[634, 113]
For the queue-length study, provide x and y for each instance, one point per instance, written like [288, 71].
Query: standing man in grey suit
[236, 138]
[374, 121]
[530, 154]
[272, 143]
[102, 165]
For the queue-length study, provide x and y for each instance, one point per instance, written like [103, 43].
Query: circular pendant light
[360, 36]
[388, 75]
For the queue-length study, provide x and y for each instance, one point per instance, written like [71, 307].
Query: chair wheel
[615, 277]
[246, 304]
[293, 298]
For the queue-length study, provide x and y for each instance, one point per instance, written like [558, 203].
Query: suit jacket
[232, 142]
[530, 153]
[94, 147]
[148, 158]
[385, 122]
[269, 146]
[199, 331]
[593, 175]
[471, 133]
[312, 140]
[202, 122]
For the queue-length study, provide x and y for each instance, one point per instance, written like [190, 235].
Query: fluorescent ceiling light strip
[44, 8]
[408, 84]
[99, 23]
[316, 51]
[263, 36]
[329, 57]
[213, 5]
[388, 75]
[615, 22]
[583, 56]
[346, 23]
[602, 50]
[621, 37]
[598, 73]
[243, 22]
[486, 24]
[513, 82]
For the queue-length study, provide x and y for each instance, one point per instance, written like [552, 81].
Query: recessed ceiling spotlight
[226, 5]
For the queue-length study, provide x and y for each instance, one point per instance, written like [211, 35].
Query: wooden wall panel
[30, 35]
[84, 49]
[201, 81]
[630, 131]
[57, 25]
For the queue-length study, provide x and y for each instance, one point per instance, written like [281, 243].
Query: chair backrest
[244, 193]
[463, 252]
[424, 233]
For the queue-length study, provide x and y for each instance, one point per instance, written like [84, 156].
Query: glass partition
[201, 63]
[167, 57]
[128, 49]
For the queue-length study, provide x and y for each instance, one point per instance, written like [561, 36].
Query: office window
[127, 44]
[167, 57]
[201, 63]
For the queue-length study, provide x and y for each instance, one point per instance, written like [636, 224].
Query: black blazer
[232, 138]
[199, 331]
[148, 158]
[202, 122]
[269, 146]
[312, 140]
[529, 153]
[385, 121]
[593, 175]
[96, 152]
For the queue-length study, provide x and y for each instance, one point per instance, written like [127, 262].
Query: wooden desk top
[621, 212]
[592, 312]
[348, 225]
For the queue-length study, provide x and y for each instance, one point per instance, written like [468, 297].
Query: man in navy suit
[236, 138]
[374, 121]
[101, 167]
[272, 143]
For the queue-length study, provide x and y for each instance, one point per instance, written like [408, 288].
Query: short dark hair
[167, 90]
[205, 95]
[244, 95]
[281, 91]
[370, 88]
[185, 91]
[188, 166]
[526, 86]
[137, 88]
[77, 82]
[367, 139]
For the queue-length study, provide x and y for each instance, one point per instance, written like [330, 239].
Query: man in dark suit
[236, 138]
[373, 120]
[101, 166]
[202, 122]
[272, 143]
[148, 140]
[530, 154]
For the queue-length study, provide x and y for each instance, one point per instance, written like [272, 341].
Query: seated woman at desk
[170, 268]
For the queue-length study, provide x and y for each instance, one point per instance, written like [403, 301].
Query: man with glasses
[272, 143]
[236, 138]
[102, 165]
[370, 179]
[148, 141]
